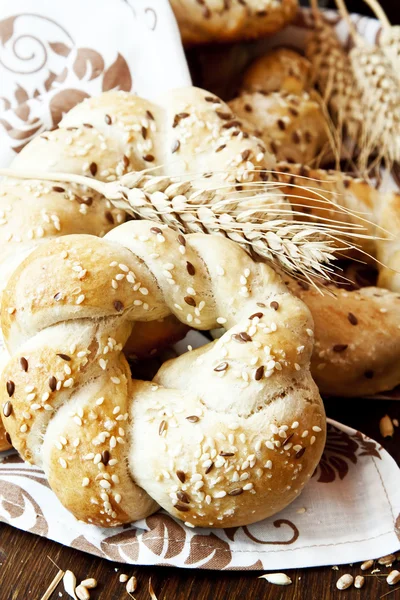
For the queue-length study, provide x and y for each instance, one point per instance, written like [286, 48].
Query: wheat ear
[258, 217]
[390, 38]
[380, 95]
[333, 75]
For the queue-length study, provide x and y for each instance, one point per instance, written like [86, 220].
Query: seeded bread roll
[357, 350]
[280, 70]
[223, 437]
[104, 138]
[204, 21]
[292, 126]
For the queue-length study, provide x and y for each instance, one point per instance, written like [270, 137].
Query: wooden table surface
[26, 569]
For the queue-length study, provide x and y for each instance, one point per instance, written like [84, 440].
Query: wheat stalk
[257, 217]
[390, 38]
[380, 95]
[333, 75]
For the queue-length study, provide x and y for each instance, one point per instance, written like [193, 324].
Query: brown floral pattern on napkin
[62, 72]
[350, 460]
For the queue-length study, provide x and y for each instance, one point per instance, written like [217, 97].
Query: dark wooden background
[26, 570]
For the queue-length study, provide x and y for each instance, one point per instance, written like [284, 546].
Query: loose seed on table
[367, 564]
[359, 582]
[277, 578]
[393, 577]
[387, 560]
[344, 581]
[386, 427]
[82, 593]
[131, 586]
[69, 581]
[89, 583]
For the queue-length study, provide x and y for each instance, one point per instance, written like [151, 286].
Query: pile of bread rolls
[230, 433]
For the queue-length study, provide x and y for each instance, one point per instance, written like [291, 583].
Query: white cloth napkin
[69, 49]
[350, 510]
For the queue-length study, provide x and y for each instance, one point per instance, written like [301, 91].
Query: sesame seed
[316, 428]
[220, 494]
[64, 357]
[105, 484]
[248, 486]
[24, 364]
[80, 299]
[63, 463]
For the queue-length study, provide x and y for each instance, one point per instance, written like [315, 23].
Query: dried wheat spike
[390, 39]
[390, 44]
[381, 98]
[333, 75]
[258, 216]
[380, 95]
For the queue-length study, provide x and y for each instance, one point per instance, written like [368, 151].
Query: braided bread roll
[224, 436]
[205, 21]
[105, 137]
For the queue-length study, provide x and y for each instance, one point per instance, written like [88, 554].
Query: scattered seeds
[277, 578]
[69, 581]
[131, 586]
[10, 388]
[82, 593]
[386, 427]
[393, 577]
[366, 565]
[123, 578]
[387, 560]
[344, 581]
[90, 583]
[359, 582]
